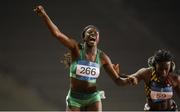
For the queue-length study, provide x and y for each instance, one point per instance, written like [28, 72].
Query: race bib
[159, 94]
[87, 69]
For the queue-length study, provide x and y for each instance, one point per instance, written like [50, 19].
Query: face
[163, 69]
[91, 37]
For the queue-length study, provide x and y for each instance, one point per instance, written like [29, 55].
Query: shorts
[80, 99]
[172, 108]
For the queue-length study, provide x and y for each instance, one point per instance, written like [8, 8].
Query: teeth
[92, 39]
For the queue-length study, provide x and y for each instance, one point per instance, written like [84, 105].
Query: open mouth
[92, 39]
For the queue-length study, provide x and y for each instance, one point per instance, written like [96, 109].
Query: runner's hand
[40, 10]
[132, 80]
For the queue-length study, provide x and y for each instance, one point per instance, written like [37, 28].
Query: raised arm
[66, 41]
[108, 66]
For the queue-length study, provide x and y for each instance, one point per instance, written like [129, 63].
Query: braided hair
[161, 55]
[67, 59]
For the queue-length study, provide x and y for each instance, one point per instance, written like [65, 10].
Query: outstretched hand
[40, 10]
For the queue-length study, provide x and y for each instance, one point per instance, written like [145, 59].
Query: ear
[173, 66]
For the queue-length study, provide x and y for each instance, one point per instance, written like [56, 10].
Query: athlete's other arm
[108, 66]
[177, 84]
[66, 41]
[141, 74]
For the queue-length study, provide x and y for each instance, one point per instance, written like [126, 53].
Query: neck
[162, 79]
[90, 49]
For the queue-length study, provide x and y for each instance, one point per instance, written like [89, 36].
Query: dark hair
[86, 28]
[67, 59]
[163, 56]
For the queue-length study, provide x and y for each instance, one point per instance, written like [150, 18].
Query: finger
[39, 6]
[113, 65]
[117, 65]
[35, 9]
[135, 81]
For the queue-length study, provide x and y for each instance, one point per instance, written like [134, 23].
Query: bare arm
[108, 66]
[141, 74]
[177, 87]
[66, 41]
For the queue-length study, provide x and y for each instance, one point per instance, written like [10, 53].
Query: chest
[90, 57]
[160, 92]
[87, 69]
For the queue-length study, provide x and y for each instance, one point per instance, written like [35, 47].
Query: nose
[164, 72]
[92, 36]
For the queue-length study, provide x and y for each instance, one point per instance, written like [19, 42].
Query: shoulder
[145, 71]
[148, 74]
[75, 53]
[104, 57]
[175, 78]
